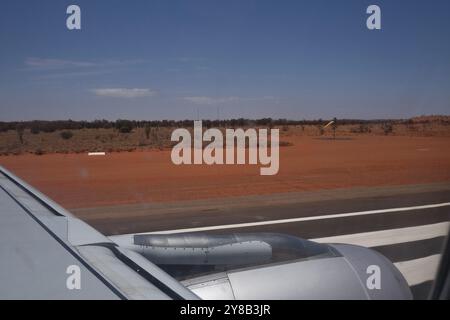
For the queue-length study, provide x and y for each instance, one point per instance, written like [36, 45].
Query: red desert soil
[80, 181]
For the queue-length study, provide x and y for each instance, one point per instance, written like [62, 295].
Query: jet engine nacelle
[270, 266]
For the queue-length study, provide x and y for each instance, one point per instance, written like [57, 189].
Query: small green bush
[66, 135]
[125, 129]
[34, 130]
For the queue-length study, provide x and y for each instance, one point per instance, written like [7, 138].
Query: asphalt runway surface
[407, 224]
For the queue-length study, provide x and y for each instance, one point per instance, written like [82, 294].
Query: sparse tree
[20, 130]
[148, 129]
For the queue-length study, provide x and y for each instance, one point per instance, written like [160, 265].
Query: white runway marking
[391, 236]
[303, 219]
[419, 270]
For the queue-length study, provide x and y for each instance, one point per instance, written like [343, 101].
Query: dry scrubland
[82, 140]
[417, 153]
[16, 142]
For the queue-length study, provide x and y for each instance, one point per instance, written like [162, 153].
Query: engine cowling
[269, 266]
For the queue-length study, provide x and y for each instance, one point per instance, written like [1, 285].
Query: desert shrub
[285, 144]
[142, 143]
[124, 126]
[362, 128]
[412, 127]
[34, 130]
[147, 131]
[39, 152]
[66, 135]
[48, 126]
[125, 129]
[365, 128]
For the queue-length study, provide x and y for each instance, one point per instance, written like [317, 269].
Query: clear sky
[147, 59]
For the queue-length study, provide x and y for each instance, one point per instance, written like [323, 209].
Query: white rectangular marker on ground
[96, 153]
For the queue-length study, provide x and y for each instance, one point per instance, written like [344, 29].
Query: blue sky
[167, 59]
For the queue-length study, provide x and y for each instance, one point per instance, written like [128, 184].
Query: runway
[406, 224]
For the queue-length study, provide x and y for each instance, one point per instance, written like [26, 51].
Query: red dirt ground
[79, 181]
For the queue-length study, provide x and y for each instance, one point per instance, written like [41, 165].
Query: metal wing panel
[33, 264]
[39, 240]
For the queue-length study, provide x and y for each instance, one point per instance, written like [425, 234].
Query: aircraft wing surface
[47, 253]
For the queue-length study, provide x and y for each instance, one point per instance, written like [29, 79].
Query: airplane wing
[47, 253]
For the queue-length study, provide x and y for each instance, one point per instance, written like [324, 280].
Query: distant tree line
[126, 126]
